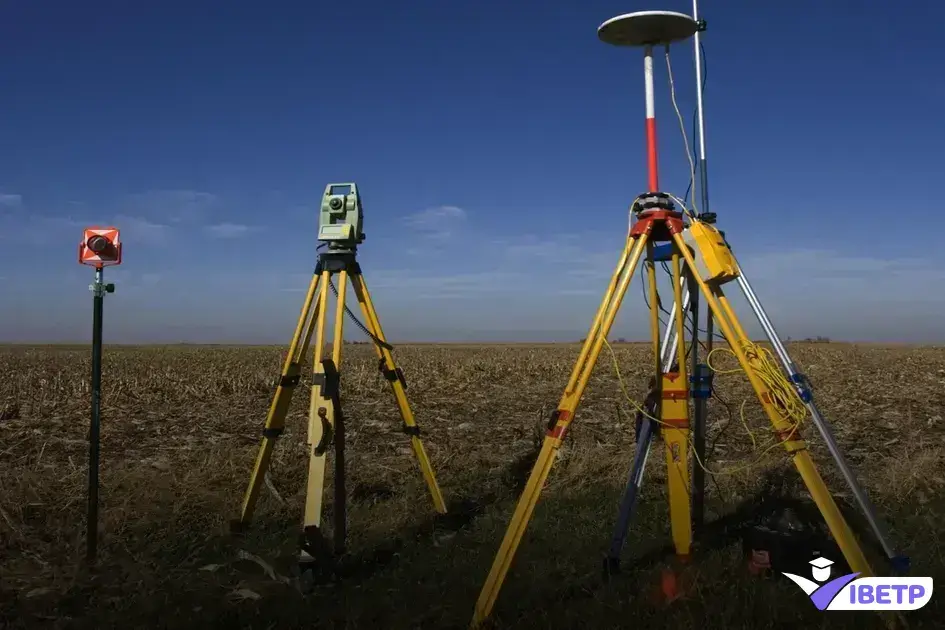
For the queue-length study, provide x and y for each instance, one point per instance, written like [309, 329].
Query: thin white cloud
[437, 223]
[10, 201]
[846, 275]
[63, 222]
[228, 230]
[140, 230]
[473, 284]
[40, 230]
[135, 230]
[581, 264]
[148, 218]
[172, 206]
[544, 248]
[572, 259]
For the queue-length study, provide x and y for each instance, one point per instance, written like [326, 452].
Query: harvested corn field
[181, 426]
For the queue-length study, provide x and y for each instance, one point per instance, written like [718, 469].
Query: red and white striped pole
[651, 154]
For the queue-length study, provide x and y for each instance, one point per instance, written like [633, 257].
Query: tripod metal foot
[899, 562]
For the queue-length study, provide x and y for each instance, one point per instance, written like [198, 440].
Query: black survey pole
[702, 375]
[99, 289]
[697, 377]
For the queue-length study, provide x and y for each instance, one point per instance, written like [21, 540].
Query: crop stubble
[181, 426]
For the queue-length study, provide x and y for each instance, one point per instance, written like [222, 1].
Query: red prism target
[100, 247]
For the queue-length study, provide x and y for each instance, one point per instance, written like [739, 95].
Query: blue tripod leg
[629, 501]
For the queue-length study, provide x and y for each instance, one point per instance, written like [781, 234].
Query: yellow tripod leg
[797, 448]
[674, 416]
[395, 377]
[565, 413]
[320, 420]
[275, 419]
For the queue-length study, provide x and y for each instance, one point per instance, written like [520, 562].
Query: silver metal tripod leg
[900, 562]
[670, 338]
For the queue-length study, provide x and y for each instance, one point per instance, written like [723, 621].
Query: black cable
[646, 301]
[659, 304]
[357, 322]
[380, 342]
[690, 188]
[701, 330]
[688, 330]
[695, 128]
[731, 420]
[695, 159]
[646, 298]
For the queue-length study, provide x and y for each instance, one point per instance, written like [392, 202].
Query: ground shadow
[461, 512]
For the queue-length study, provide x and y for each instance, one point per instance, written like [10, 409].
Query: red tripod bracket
[659, 225]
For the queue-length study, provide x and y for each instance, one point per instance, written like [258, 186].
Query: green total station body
[341, 217]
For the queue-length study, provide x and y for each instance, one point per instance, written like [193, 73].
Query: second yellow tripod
[699, 249]
[326, 419]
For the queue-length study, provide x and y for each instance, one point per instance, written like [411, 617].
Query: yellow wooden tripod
[326, 420]
[711, 263]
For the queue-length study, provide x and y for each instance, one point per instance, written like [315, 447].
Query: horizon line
[810, 340]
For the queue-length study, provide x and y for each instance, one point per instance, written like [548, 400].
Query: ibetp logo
[870, 593]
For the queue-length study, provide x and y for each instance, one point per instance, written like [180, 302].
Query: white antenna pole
[703, 172]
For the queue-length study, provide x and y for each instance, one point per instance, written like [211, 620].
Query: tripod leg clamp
[392, 375]
[803, 386]
[553, 419]
[290, 380]
[701, 382]
[329, 380]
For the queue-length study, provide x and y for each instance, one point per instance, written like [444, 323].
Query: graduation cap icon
[821, 568]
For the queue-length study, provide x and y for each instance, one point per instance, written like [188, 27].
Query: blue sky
[497, 147]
